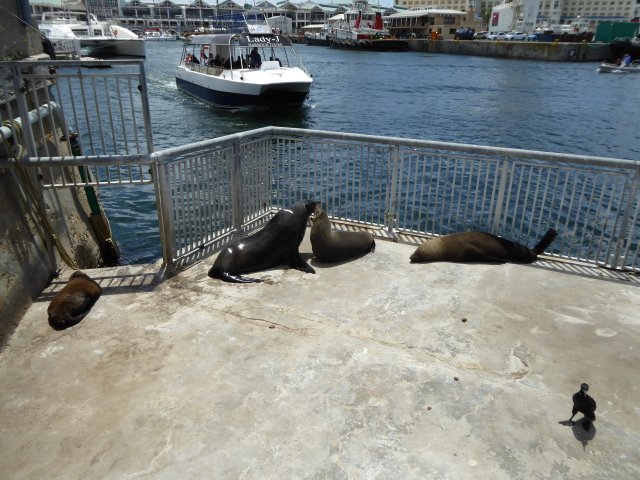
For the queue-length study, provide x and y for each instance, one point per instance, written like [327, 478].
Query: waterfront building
[425, 23]
[188, 15]
[581, 14]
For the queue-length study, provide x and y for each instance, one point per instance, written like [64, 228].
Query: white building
[549, 12]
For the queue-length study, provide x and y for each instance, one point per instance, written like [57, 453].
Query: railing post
[164, 208]
[624, 222]
[502, 186]
[20, 92]
[237, 208]
[394, 173]
[146, 112]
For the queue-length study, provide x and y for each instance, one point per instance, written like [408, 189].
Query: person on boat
[195, 60]
[256, 59]
[217, 62]
[626, 60]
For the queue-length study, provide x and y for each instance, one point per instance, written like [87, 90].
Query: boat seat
[270, 65]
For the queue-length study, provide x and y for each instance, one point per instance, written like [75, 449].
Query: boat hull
[379, 45]
[319, 42]
[114, 47]
[234, 93]
[613, 68]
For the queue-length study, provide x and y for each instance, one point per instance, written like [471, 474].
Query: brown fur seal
[74, 301]
[276, 244]
[337, 246]
[479, 247]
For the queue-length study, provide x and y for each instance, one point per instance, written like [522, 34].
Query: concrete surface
[365, 370]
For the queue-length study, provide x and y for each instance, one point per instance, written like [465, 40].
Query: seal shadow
[318, 264]
[582, 435]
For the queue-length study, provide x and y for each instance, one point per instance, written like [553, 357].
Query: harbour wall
[33, 220]
[545, 51]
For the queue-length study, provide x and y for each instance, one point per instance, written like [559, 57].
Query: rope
[18, 152]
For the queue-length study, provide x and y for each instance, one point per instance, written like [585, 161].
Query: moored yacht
[80, 30]
[362, 28]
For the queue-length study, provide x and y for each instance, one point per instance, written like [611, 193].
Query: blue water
[557, 107]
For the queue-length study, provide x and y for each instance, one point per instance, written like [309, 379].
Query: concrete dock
[376, 368]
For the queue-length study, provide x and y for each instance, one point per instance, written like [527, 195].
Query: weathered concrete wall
[19, 37]
[28, 257]
[546, 51]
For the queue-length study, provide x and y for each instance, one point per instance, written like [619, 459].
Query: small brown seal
[479, 247]
[336, 246]
[74, 301]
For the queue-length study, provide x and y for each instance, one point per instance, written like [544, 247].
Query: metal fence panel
[426, 188]
[79, 113]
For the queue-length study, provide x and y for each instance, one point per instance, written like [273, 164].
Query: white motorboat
[63, 40]
[316, 34]
[362, 28]
[633, 67]
[248, 67]
[73, 30]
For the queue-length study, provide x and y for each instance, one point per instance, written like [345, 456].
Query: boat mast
[89, 26]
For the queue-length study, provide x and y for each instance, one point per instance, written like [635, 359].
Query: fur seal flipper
[479, 247]
[74, 301]
[337, 246]
[275, 244]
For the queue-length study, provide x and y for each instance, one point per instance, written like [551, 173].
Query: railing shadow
[116, 283]
[588, 271]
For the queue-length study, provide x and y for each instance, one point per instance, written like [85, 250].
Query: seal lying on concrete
[479, 247]
[74, 301]
[337, 246]
[276, 244]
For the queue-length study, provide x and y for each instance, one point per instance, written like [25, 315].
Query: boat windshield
[252, 22]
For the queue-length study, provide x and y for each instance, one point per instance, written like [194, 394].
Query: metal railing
[399, 188]
[66, 110]
[402, 188]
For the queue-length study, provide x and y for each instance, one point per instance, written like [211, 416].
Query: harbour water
[557, 107]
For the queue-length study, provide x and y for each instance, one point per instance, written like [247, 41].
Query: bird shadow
[579, 432]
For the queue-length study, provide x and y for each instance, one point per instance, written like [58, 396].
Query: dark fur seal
[337, 246]
[479, 247]
[74, 301]
[276, 244]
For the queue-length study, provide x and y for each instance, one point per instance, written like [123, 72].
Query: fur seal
[275, 244]
[336, 246]
[479, 247]
[74, 301]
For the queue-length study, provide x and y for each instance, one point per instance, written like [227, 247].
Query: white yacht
[362, 28]
[70, 31]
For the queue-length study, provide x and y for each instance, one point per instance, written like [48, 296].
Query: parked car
[515, 36]
[480, 35]
[532, 37]
[496, 36]
[464, 34]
